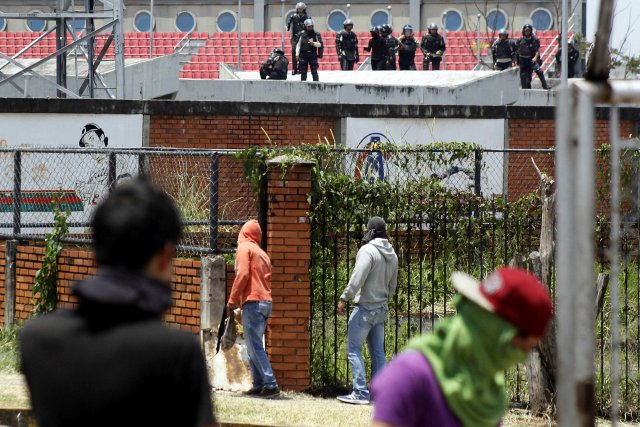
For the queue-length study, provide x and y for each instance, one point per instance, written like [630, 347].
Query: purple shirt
[406, 394]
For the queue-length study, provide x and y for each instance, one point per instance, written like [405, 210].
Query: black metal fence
[206, 185]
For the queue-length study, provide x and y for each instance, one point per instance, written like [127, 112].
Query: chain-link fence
[206, 185]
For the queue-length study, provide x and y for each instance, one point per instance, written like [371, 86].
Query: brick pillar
[289, 246]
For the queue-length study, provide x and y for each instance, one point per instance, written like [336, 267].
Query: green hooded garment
[468, 354]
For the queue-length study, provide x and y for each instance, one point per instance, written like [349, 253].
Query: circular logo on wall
[371, 164]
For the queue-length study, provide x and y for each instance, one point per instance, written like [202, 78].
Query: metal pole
[390, 17]
[284, 22]
[118, 17]
[478, 45]
[444, 31]
[239, 31]
[17, 191]
[151, 30]
[348, 10]
[564, 69]
[112, 174]
[61, 60]
[213, 203]
[614, 258]
[89, 7]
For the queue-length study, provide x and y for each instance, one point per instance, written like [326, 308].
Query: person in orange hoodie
[252, 291]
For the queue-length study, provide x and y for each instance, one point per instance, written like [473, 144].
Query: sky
[627, 17]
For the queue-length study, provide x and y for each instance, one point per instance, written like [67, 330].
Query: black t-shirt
[97, 371]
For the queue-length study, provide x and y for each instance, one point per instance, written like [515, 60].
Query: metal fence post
[17, 191]
[111, 178]
[10, 283]
[142, 164]
[263, 203]
[477, 172]
[213, 202]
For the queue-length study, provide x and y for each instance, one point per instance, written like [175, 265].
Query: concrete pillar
[10, 283]
[414, 14]
[258, 16]
[212, 302]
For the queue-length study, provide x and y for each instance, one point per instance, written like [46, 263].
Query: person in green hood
[454, 377]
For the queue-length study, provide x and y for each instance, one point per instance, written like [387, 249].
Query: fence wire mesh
[206, 187]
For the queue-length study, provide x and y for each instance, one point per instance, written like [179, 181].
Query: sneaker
[354, 399]
[269, 393]
[252, 392]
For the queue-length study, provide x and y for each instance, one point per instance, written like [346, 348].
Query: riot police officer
[503, 51]
[432, 46]
[275, 67]
[295, 24]
[573, 57]
[391, 45]
[347, 46]
[407, 49]
[309, 49]
[376, 47]
[528, 55]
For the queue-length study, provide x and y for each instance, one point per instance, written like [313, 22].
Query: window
[34, 24]
[78, 25]
[3, 23]
[452, 21]
[227, 21]
[379, 17]
[142, 21]
[335, 20]
[186, 22]
[542, 19]
[496, 20]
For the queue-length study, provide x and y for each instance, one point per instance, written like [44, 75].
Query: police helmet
[408, 28]
[432, 26]
[347, 22]
[503, 32]
[301, 5]
[386, 29]
[278, 50]
[526, 27]
[375, 30]
[308, 23]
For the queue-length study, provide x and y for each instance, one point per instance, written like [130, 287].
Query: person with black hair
[372, 283]
[112, 360]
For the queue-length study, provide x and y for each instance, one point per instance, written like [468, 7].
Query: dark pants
[433, 60]
[501, 66]
[294, 58]
[375, 64]
[407, 65]
[387, 63]
[526, 68]
[266, 73]
[304, 63]
[347, 65]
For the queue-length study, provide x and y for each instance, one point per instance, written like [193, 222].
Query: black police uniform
[295, 24]
[503, 52]
[376, 47]
[347, 49]
[388, 61]
[574, 56]
[407, 52]
[308, 54]
[430, 45]
[275, 67]
[526, 49]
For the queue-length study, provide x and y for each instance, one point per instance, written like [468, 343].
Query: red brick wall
[527, 133]
[289, 246]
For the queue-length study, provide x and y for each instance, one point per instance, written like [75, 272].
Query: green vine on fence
[45, 287]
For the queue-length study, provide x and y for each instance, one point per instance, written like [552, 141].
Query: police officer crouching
[528, 54]
[347, 46]
[308, 50]
[503, 51]
[275, 67]
[407, 49]
[432, 46]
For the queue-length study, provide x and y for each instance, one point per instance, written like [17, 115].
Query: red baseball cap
[513, 294]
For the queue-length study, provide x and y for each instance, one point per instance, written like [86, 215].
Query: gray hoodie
[375, 276]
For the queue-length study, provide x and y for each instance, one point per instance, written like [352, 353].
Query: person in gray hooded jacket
[372, 283]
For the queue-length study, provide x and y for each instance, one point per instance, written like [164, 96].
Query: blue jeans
[366, 324]
[254, 322]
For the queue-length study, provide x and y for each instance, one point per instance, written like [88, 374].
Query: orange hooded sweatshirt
[253, 267]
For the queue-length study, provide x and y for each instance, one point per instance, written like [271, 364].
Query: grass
[9, 362]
